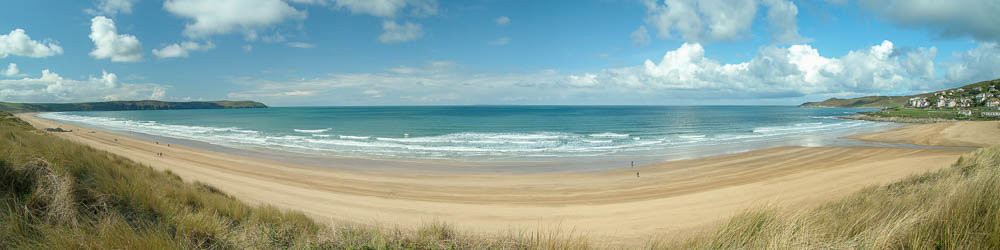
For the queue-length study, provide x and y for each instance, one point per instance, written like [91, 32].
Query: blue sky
[429, 52]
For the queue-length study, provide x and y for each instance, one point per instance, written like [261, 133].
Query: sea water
[487, 133]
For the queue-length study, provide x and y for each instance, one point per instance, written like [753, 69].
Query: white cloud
[109, 44]
[500, 41]
[373, 93]
[20, 44]
[11, 71]
[502, 20]
[248, 48]
[384, 8]
[975, 18]
[182, 49]
[720, 20]
[781, 19]
[301, 45]
[685, 75]
[640, 37]
[219, 17]
[52, 87]
[393, 32]
[976, 64]
[112, 7]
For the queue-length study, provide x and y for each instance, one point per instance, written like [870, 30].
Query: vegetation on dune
[58, 194]
[954, 208]
[125, 105]
[55, 194]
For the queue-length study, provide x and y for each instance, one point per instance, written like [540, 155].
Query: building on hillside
[960, 90]
[947, 103]
[965, 112]
[993, 102]
[918, 102]
[982, 97]
[978, 89]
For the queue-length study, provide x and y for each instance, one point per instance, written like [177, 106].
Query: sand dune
[669, 197]
[940, 134]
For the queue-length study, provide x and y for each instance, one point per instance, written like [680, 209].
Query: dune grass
[55, 194]
[954, 208]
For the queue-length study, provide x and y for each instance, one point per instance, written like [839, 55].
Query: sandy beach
[940, 134]
[615, 206]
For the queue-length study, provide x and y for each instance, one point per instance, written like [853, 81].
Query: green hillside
[125, 105]
[889, 101]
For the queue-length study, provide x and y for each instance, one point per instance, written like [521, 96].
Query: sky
[485, 52]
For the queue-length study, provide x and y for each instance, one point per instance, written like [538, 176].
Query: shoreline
[514, 165]
[676, 196]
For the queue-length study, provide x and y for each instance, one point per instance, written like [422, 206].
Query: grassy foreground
[56, 194]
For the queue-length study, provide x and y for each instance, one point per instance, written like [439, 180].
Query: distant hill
[125, 105]
[888, 101]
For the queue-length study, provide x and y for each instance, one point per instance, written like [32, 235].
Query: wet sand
[613, 206]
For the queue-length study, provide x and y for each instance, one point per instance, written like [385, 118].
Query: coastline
[670, 197]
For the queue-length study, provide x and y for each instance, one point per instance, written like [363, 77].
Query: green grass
[911, 115]
[954, 208]
[55, 194]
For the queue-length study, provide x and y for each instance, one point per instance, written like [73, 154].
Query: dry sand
[669, 198]
[982, 133]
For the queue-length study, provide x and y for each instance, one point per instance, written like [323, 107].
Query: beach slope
[669, 198]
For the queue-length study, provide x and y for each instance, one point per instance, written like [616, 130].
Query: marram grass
[55, 194]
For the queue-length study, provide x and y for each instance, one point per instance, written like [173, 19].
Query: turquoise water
[482, 132]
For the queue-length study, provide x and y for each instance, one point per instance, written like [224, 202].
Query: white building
[993, 103]
[918, 102]
[982, 97]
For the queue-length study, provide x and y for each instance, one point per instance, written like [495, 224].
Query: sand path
[616, 206]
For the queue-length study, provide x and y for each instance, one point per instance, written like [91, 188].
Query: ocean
[491, 133]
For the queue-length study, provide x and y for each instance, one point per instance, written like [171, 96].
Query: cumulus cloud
[387, 8]
[20, 44]
[111, 7]
[11, 71]
[301, 45]
[977, 64]
[775, 72]
[640, 37]
[500, 41]
[52, 87]
[781, 20]
[227, 16]
[953, 18]
[393, 32]
[109, 44]
[373, 93]
[502, 20]
[685, 75]
[182, 49]
[720, 20]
